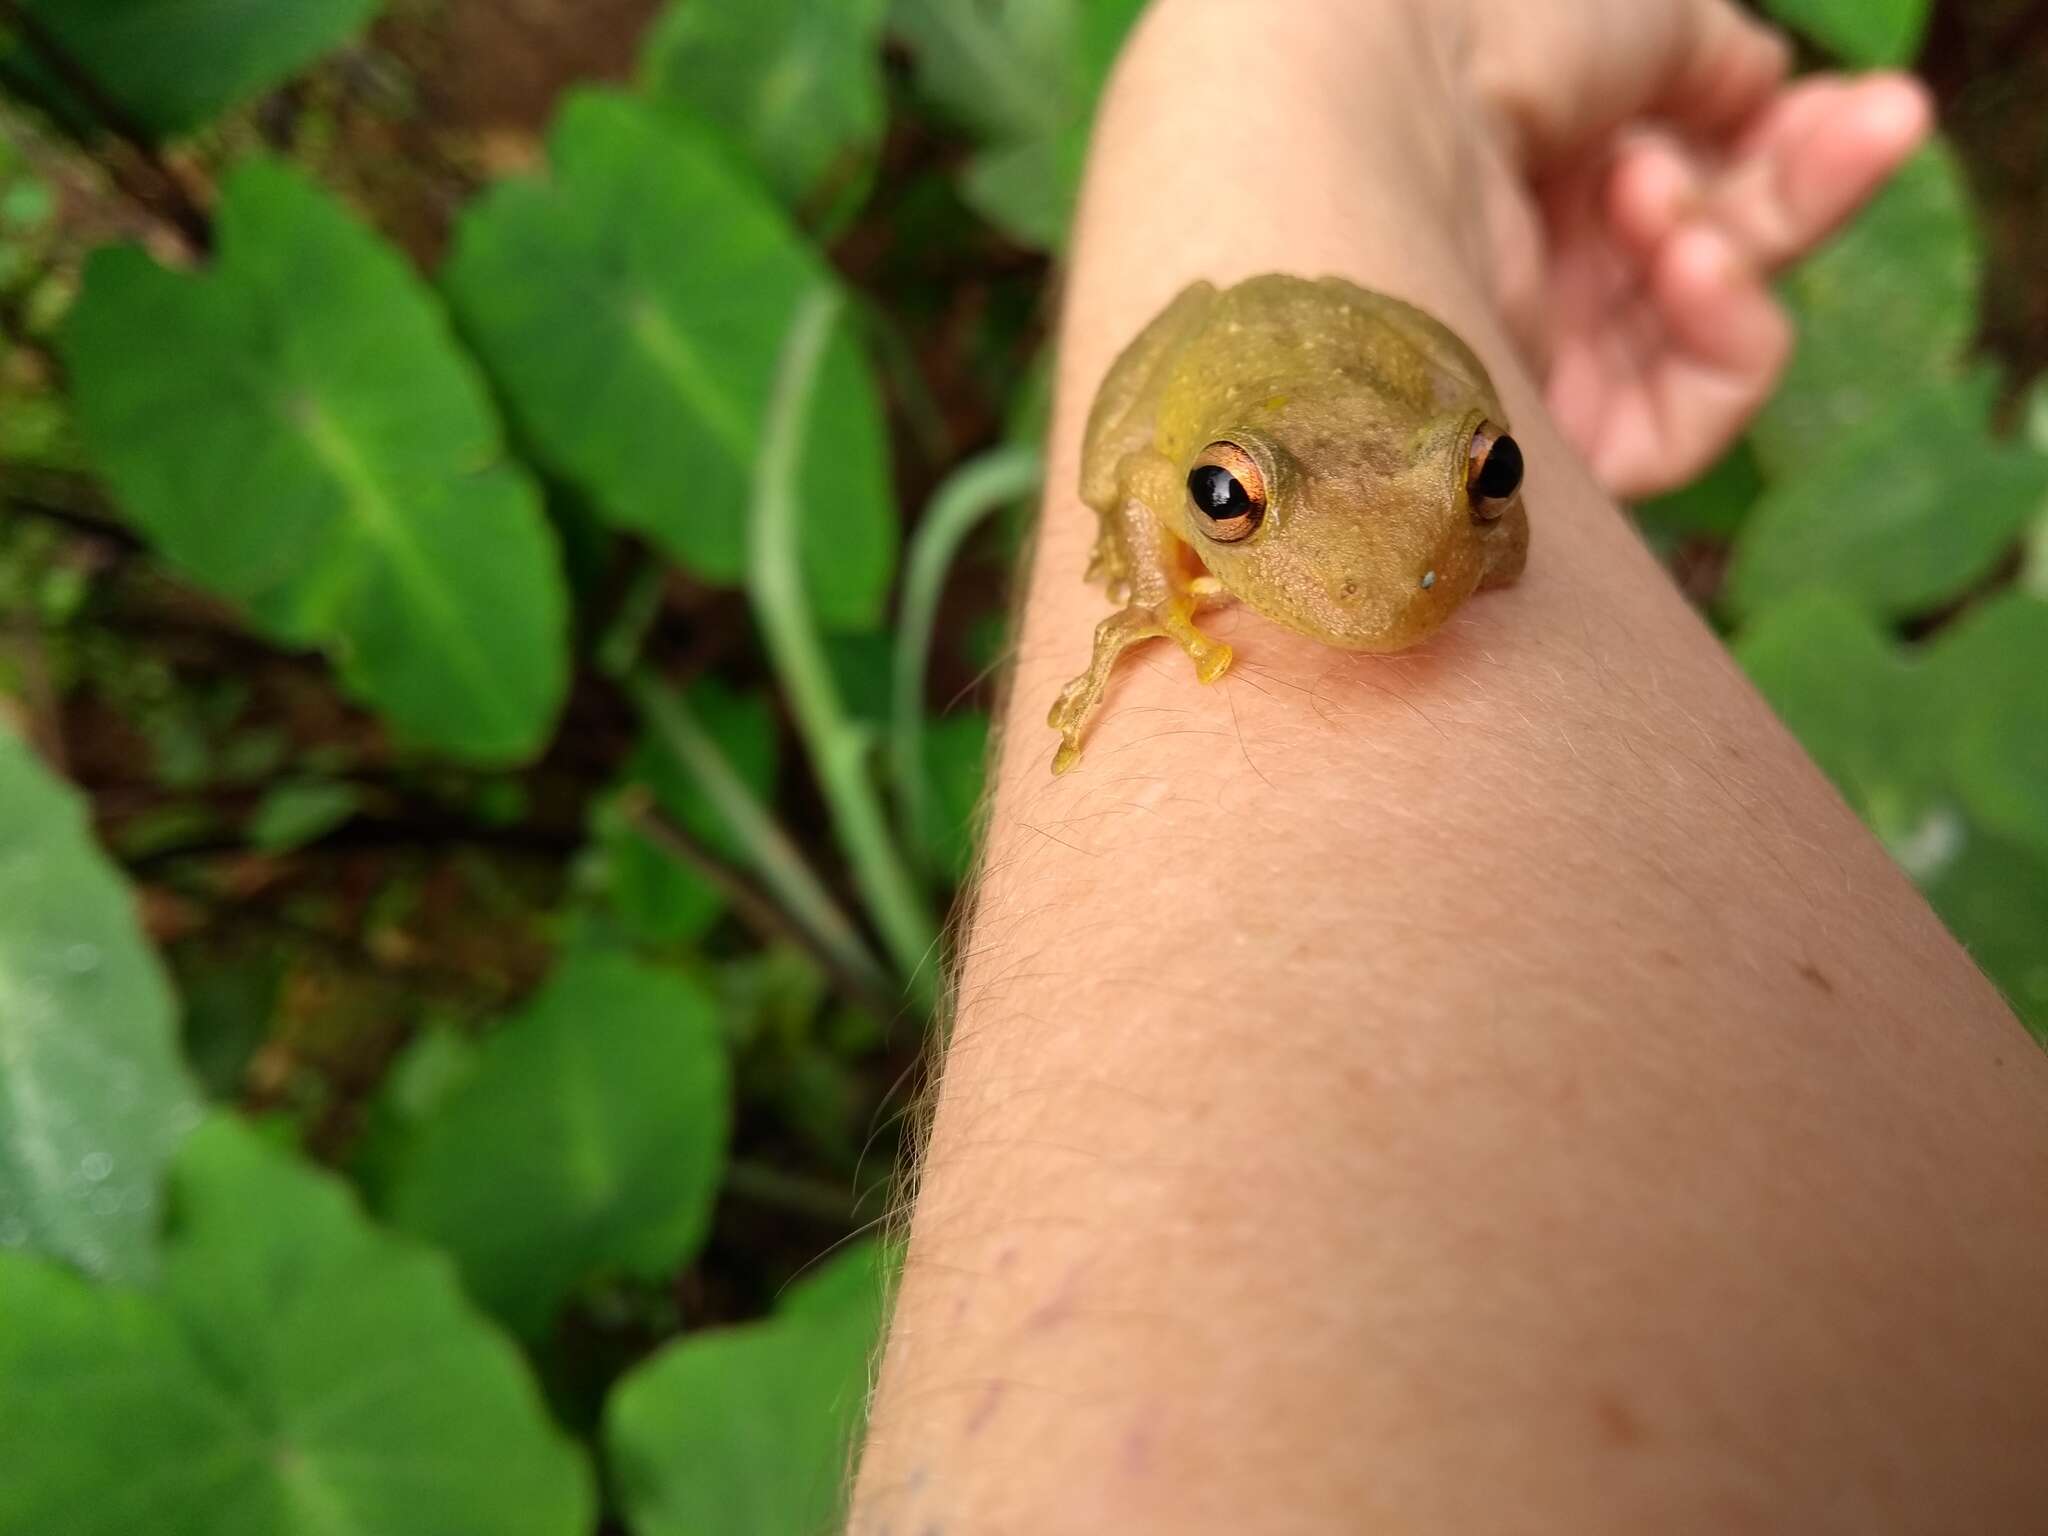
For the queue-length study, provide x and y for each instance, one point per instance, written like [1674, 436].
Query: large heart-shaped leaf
[1024, 76]
[297, 1373]
[1888, 306]
[1991, 667]
[588, 1136]
[1713, 506]
[1866, 32]
[1899, 514]
[297, 430]
[1862, 709]
[750, 1430]
[1992, 894]
[92, 1095]
[173, 64]
[795, 86]
[633, 306]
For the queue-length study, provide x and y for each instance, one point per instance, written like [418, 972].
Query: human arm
[1495, 1087]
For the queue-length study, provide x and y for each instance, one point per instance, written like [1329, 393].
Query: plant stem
[866, 987]
[789, 1191]
[839, 748]
[768, 850]
[977, 488]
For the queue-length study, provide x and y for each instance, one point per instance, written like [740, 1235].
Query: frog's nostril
[1350, 588]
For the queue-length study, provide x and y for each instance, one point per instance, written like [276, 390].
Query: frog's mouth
[1386, 605]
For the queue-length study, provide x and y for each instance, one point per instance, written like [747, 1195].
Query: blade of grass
[840, 748]
[868, 987]
[981, 486]
[769, 851]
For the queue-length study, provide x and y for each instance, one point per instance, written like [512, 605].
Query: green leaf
[300, 811]
[1994, 897]
[795, 86]
[1899, 514]
[92, 1095]
[1990, 667]
[173, 64]
[1000, 67]
[296, 1374]
[1859, 707]
[1887, 306]
[1023, 75]
[1871, 33]
[633, 306]
[587, 1138]
[424, 1076]
[660, 900]
[1713, 506]
[230, 1001]
[750, 1430]
[298, 431]
[956, 761]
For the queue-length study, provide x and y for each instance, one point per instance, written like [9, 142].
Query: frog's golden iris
[1228, 491]
[1330, 456]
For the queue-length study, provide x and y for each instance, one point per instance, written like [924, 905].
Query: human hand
[1650, 168]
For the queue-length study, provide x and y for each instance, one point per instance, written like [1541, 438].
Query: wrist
[1261, 115]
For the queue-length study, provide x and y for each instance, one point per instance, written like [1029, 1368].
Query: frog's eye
[1493, 471]
[1228, 491]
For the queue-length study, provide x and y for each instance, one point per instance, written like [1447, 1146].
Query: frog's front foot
[1113, 636]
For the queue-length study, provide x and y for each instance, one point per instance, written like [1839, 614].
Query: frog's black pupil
[1217, 492]
[1501, 475]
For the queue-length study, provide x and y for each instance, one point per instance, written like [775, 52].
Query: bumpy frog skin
[1331, 456]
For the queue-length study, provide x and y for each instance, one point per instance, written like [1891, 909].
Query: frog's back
[1217, 356]
[1274, 338]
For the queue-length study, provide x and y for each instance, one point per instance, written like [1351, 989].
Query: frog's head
[1361, 533]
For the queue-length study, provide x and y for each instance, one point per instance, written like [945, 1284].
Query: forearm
[1495, 1086]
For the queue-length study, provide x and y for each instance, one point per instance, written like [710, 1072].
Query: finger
[1728, 340]
[1705, 66]
[1724, 73]
[1814, 159]
[1715, 306]
[1652, 187]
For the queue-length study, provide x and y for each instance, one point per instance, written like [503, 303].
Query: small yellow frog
[1330, 455]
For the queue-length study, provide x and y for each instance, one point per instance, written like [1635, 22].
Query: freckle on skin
[1817, 976]
[1138, 1450]
[985, 1408]
[1057, 1307]
[1618, 1423]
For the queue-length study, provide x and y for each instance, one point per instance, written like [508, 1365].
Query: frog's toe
[1212, 661]
[1066, 757]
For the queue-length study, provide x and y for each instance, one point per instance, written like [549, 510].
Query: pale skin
[1496, 1087]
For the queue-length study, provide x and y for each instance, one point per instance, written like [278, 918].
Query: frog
[1334, 458]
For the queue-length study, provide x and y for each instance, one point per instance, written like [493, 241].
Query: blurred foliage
[540, 756]
[308, 375]
[95, 1097]
[1867, 32]
[294, 1371]
[708, 1437]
